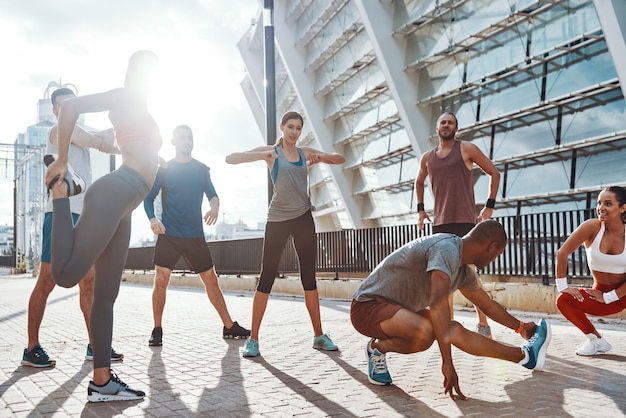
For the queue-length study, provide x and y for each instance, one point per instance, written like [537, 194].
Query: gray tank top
[291, 189]
[80, 160]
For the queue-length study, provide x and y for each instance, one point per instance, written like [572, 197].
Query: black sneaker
[114, 390]
[37, 357]
[236, 331]
[156, 339]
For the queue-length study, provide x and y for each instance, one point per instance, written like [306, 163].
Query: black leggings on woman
[100, 238]
[302, 229]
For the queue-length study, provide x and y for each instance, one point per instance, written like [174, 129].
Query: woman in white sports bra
[605, 243]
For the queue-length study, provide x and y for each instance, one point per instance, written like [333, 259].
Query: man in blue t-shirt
[183, 183]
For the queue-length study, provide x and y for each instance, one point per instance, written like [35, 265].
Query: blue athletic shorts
[47, 235]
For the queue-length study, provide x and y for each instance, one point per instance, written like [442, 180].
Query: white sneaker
[593, 346]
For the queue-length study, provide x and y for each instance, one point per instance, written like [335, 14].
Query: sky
[88, 43]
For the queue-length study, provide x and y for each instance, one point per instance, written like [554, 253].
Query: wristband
[420, 207]
[491, 203]
[610, 297]
[561, 283]
[520, 328]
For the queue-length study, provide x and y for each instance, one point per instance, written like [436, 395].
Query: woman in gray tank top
[289, 214]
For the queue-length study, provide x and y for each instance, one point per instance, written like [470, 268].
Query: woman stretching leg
[101, 236]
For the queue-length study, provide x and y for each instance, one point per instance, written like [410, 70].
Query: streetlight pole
[270, 82]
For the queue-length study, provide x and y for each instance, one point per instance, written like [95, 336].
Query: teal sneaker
[115, 356]
[37, 357]
[323, 342]
[251, 349]
[536, 347]
[377, 372]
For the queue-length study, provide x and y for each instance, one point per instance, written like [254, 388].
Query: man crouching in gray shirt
[403, 305]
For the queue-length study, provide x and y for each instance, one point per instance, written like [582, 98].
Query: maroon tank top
[453, 187]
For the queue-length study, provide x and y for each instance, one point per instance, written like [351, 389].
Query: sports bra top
[606, 263]
[145, 130]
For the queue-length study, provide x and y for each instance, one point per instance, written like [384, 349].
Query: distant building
[237, 230]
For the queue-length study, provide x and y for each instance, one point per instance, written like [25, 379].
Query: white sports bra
[606, 263]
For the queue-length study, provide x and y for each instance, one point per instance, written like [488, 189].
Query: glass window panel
[579, 75]
[604, 169]
[531, 180]
[522, 140]
[508, 100]
[410, 166]
[597, 121]
[560, 24]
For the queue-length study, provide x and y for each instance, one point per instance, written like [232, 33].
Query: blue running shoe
[377, 372]
[37, 357]
[251, 349]
[115, 356]
[323, 342]
[537, 346]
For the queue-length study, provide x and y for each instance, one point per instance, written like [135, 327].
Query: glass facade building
[538, 86]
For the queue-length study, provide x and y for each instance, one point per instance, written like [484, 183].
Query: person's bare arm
[440, 317]
[265, 153]
[584, 234]
[210, 218]
[69, 111]
[420, 182]
[315, 156]
[476, 156]
[495, 311]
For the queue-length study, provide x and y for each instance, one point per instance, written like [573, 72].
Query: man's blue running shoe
[37, 357]
[251, 349]
[377, 372]
[537, 346]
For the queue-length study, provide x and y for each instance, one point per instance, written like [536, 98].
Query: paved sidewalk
[197, 373]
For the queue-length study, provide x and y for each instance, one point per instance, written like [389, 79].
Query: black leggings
[302, 229]
[101, 237]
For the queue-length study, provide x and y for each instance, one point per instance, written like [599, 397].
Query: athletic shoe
[484, 330]
[156, 339]
[37, 357]
[251, 349]
[115, 356]
[75, 183]
[593, 346]
[323, 342]
[114, 390]
[377, 372]
[535, 348]
[236, 331]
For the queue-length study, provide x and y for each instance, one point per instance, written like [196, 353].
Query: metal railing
[533, 242]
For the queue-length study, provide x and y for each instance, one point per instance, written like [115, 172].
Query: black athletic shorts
[195, 251]
[457, 229]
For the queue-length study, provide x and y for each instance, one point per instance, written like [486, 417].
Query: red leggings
[576, 312]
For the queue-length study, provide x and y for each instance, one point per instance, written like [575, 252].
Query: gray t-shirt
[404, 276]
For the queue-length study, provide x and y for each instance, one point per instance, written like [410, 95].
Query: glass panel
[581, 74]
[605, 169]
[522, 140]
[531, 180]
[597, 121]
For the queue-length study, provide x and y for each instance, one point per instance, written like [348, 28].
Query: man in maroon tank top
[449, 167]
